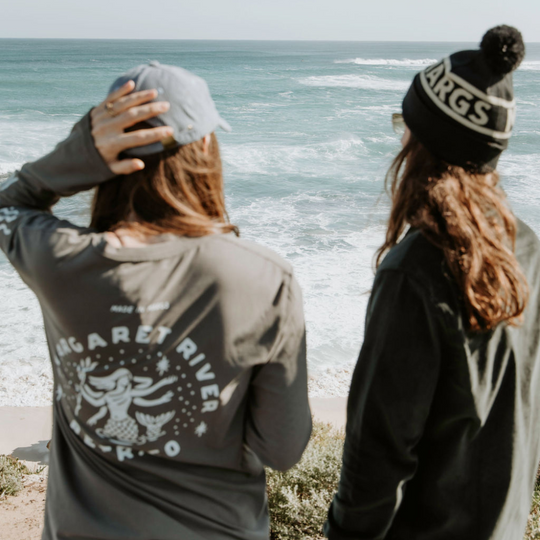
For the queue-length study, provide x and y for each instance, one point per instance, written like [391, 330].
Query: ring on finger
[109, 107]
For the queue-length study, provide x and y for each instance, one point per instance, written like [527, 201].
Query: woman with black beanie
[443, 430]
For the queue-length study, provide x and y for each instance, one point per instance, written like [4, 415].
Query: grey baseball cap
[192, 113]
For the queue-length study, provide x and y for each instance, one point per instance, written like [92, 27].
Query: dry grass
[12, 472]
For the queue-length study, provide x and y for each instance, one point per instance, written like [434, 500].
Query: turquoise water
[304, 166]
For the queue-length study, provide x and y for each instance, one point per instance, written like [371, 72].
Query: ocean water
[304, 166]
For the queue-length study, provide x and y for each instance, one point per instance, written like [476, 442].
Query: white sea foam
[25, 374]
[333, 265]
[334, 270]
[530, 65]
[527, 65]
[8, 168]
[29, 136]
[303, 168]
[367, 113]
[366, 82]
[307, 160]
[520, 175]
[405, 62]
[331, 381]
[26, 382]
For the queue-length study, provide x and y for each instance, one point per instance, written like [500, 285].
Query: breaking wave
[366, 82]
[531, 65]
[406, 62]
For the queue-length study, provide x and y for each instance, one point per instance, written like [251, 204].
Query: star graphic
[163, 365]
[201, 429]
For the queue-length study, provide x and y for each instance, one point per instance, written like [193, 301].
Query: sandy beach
[24, 433]
[21, 517]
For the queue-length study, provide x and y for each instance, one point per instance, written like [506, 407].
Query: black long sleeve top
[443, 431]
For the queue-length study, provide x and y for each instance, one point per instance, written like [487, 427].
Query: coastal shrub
[11, 475]
[299, 498]
[533, 523]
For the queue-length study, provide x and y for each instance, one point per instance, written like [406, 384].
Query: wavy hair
[179, 191]
[465, 214]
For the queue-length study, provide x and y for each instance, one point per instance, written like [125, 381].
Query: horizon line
[248, 39]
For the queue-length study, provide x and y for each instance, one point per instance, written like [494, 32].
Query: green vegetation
[11, 475]
[299, 498]
[533, 524]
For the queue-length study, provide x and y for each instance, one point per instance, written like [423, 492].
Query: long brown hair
[465, 214]
[179, 191]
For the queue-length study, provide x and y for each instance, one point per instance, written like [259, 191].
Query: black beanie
[462, 109]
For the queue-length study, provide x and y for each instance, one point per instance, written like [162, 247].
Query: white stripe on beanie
[456, 97]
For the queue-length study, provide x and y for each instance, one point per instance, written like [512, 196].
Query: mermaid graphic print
[114, 394]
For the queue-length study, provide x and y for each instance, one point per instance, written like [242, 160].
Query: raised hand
[84, 367]
[120, 110]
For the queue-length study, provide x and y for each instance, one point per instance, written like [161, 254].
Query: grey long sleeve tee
[179, 368]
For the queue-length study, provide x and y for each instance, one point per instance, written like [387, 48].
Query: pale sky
[354, 20]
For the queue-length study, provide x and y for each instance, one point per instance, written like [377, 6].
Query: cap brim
[144, 151]
[157, 148]
[224, 125]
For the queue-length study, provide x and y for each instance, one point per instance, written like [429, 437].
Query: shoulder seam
[253, 252]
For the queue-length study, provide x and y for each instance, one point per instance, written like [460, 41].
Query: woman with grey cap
[443, 420]
[178, 349]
